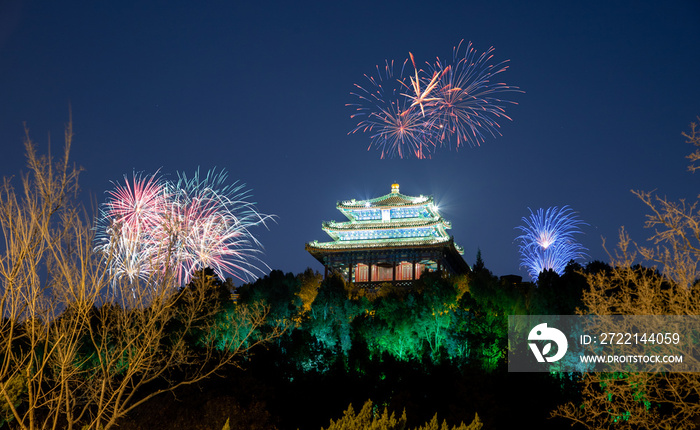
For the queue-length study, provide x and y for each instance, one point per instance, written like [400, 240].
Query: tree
[47, 270]
[77, 347]
[277, 292]
[367, 419]
[647, 400]
[484, 314]
[436, 311]
[331, 314]
[393, 327]
[180, 338]
[308, 290]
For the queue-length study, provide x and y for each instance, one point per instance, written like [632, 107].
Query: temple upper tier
[390, 238]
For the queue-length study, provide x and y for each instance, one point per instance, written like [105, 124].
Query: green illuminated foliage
[410, 322]
[331, 315]
[15, 388]
[394, 327]
[436, 311]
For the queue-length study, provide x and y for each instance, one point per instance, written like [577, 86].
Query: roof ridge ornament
[398, 236]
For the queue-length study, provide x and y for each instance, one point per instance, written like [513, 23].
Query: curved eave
[388, 201]
[452, 253]
[428, 207]
[378, 225]
[438, 227]
[375, 244]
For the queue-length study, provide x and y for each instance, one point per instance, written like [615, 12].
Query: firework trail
[449, 103]
[152, 227]
[548, 240]
[422, 96]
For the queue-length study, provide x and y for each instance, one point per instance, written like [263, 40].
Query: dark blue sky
[259, 88]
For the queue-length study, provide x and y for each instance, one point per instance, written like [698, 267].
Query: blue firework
[548, 240]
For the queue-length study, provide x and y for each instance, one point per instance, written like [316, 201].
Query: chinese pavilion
[392, 238]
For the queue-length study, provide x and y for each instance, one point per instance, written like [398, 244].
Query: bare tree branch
[647, 400]
[79, 348]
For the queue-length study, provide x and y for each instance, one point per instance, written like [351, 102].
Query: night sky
[259, 88]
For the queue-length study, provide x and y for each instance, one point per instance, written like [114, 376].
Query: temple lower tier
[390, 264]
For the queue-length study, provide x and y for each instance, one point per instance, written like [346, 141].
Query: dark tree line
[438, 346]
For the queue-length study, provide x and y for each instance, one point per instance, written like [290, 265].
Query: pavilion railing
[377, 284]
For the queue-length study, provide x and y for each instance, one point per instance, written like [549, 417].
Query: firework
[395, 125]
[130, 226]
[449, 103]
[467, 108]
[152, 227]
[548, 240]
[137, 205]
[213, 222]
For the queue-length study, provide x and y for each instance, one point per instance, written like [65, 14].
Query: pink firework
[137, 205]
[448, 103]
[467, 108]
[394, 120]
[153, 227]
[213, 224]
[130, 226]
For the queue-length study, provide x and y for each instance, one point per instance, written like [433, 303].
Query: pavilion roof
[394, 224]
[371, 215]
[393, 199]
[377, 243]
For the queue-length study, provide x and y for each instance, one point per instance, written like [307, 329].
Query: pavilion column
[393, 274]
[369, 271]
[414, 270]
[349, 272]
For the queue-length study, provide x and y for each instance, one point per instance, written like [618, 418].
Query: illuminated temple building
[392, 238]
